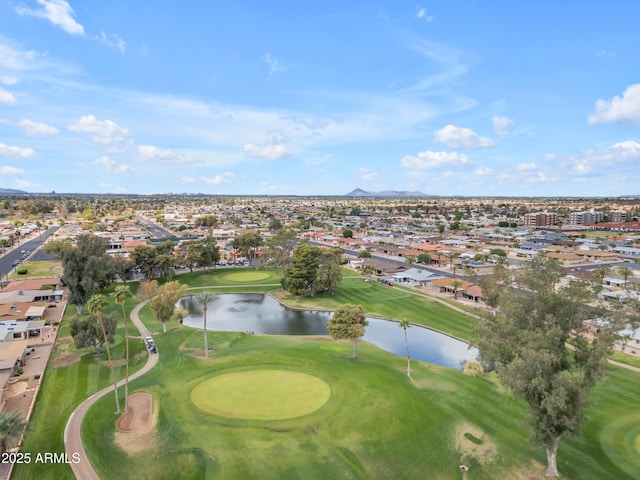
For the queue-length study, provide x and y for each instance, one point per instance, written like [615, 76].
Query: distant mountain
[358, 192]
[11, 190]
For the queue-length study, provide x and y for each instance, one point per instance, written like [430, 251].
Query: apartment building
[540, 219]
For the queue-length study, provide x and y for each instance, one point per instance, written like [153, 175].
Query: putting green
[261, 394]
[250, 276]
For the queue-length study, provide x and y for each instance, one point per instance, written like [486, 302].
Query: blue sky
[450, 97]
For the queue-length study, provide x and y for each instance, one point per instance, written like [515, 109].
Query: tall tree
[348, 322]
[87, 332]
[162, 299]
[12, 425]
[95, 305]
[120, 295]
[123, 268]
[329, 273]
[247, 244]
[626, 273]
[279, 249]
[527, 341]
[144, 256]
[209, 252]
[87, 268]
[204, 299]
[405, 324]
[301, 274]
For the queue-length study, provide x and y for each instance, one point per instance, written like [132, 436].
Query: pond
[263, 314]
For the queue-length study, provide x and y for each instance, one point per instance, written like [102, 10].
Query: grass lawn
[376, 423]
[261, 394]
[39, 269]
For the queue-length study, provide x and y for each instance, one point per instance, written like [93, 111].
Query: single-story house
[415, 277]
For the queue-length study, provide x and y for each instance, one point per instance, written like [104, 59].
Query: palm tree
[602, 272]
[404, 323]
[95, 305]
[120, 295]
[455, 285]
[626, 273]
[204, 299]
[12, 424]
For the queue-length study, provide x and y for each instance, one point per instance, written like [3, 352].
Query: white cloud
[224, 177]
[484, 172]
[458, 137]
[502, 125]
[36, 129]
[619, 109]
[58, 12]
[25, 184]
[619, 157]
[187, 179]
[366, 174]
[112, 41]
[429, 159]
[628, 149]
[11, 171]
[8, 79]
[273, 64]
[549, 157]
[7, 97]
[111, 166]
[526, 167]
[163, 155]
[423, 14]
[269, 151]
[16, 152]
[102, 131]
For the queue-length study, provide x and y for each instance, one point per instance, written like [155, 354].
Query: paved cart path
[83, 470]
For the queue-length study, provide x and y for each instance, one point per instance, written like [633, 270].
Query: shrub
[473, 368]
[22, 271]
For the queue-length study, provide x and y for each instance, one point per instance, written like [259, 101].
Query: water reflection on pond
[262, 314]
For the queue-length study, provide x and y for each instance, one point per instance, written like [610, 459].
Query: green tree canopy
[329, 272]
[424, 258]
[348, 322]
[527, 341]
[88, 333]
[12, 424]
[162, 299]
[280, 246]
[299, 277]
[87, 268]
[246, 244]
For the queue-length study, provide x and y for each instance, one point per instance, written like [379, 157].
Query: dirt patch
[66, 360]
[137, 427]
[116, 363]
[15, 389]
[470, 441]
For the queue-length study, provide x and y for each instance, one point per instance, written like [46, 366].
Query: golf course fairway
[261, 394]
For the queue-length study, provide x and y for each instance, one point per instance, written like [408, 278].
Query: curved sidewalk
[83, 470]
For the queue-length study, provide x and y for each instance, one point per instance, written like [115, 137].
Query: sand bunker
[137, 426]
[482, 449]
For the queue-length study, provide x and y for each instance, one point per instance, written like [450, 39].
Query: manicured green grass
[39, 269]
[377, 423]
[626, 359]
[64, 387]
[261, 394]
